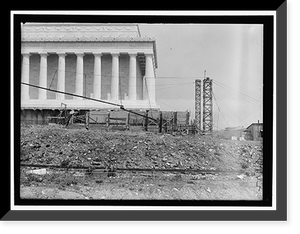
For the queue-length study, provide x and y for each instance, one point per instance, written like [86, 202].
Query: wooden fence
[152, 121]
[149, 120]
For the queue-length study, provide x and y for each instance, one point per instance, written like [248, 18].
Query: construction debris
[75, 148]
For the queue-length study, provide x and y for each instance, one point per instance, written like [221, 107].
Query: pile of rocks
[71, 147]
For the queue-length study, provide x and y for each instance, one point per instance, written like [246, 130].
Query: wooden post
[160, 122]
[174, 121]
[107, 121]
[187, 118]
[146, 121]
[128, 120]
[166, 125]
[87, 120]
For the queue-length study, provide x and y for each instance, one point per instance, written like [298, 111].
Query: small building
[254, 132]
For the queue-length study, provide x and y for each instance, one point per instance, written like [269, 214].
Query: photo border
[169, 214]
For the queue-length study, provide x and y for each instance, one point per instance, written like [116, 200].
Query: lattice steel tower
[198, 104]
[207, 106]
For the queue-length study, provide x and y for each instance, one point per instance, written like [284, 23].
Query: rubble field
[64, 147]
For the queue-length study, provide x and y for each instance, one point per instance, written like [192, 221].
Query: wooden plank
[121, 119]
[98, 116]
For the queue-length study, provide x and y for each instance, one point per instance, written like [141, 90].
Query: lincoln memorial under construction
[110, 62]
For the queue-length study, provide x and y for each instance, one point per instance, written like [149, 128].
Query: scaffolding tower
[207, 106]
[198, 104]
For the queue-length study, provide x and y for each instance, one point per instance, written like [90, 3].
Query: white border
[274, 177]
[196, 13]
[154, 13]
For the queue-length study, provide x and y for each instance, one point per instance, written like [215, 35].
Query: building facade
[111, 62]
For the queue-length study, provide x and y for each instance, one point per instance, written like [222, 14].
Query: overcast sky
[232, 56]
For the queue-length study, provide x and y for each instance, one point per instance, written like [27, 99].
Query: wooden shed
[254, 132]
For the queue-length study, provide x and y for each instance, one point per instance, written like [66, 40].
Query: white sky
[232, 56]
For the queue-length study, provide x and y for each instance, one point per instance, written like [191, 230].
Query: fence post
[128, 120]
[146, 121]
[165, 122]
[160, 122]
[187, 118]
[87, 119]
[175, 121]
[107, 121]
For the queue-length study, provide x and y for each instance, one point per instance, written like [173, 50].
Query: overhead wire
[219, 110]
[175, 86]
[241, 95]
[92, 99]
[167, 105]
[182, 93]
[147, 91]
[230, 111]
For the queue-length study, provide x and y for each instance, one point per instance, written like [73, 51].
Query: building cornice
[83, 38]
[85, 32]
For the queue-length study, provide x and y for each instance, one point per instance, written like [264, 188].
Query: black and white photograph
[141, 111]
[132, 111]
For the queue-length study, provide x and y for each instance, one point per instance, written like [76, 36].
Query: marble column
[97, 76]
[132, 76]
[43, 76]
[25, 76]
[150, 78]
[61, 76]
[115, 77]
[79, 76]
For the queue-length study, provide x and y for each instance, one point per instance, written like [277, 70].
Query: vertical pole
[65, 113]
[166, 125]
[87, 120]
[175, 120]
[146, 121]
[107, 122]
[187, 118]
[128, 120]
[72, 119]
[160, 122]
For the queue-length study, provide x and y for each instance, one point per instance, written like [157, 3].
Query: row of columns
[149, 75]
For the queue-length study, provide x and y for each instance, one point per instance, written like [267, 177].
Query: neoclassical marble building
[103, 61]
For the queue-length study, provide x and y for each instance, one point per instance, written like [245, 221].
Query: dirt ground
[81, 147]
[170, 187]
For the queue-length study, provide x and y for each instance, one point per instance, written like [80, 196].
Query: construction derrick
[207, 106]
[198, 104]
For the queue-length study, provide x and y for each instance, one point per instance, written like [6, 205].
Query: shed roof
[254, 124]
